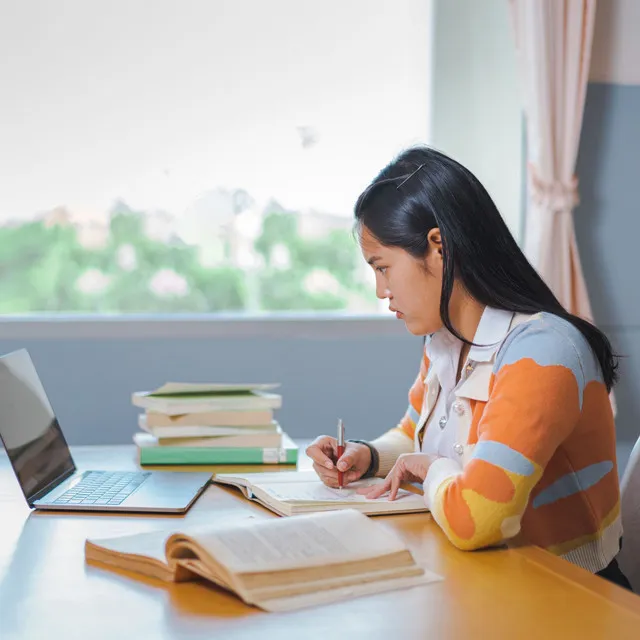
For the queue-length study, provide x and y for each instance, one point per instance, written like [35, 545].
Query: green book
[152, 453]
[173, 404]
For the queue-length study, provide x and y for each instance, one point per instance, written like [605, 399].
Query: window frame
[272, 325]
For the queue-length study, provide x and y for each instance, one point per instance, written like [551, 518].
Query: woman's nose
[382, 292]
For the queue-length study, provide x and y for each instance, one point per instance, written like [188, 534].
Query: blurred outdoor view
[203, 159]
[136, 261]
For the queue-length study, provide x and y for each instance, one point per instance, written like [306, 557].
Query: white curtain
[553, 40]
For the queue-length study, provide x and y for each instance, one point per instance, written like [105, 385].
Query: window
[199, 156]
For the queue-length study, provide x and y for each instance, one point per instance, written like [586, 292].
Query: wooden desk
[47, 591]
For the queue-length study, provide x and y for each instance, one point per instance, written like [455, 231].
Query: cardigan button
[458, 448]
[443, 422]
[458, 407]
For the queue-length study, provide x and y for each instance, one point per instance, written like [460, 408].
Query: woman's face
[411, 285]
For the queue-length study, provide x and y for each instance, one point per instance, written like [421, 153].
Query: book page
[171, 388]
[302, 541]
[340, 594]
[147, 545]
[248, 479]
[151, 545]
[318, 492]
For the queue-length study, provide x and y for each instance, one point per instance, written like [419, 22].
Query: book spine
[210, 419]
[227, 456]
[168, 408]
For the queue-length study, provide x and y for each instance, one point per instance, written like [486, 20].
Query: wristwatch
[375, 459]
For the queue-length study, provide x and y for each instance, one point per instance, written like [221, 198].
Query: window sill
[324, 326]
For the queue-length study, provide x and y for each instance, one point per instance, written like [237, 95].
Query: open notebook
[278, 564]
[295, 492]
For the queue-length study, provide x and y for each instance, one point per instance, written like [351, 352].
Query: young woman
[509, 426]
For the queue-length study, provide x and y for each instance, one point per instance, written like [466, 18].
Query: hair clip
[410, 175]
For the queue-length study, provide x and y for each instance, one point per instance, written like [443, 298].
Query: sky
[157, 103]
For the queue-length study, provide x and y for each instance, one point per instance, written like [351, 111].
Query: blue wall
[362, 379]
[608, 230]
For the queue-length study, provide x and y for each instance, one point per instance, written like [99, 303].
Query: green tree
[36, 264]
[284, 289]
[208, 289]
[42, 265]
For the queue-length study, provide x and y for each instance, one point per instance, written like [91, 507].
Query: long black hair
[423, 189]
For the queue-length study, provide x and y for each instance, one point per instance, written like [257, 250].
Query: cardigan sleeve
[399, 440]
[534, 404]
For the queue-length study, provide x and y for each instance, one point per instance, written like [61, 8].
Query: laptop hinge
[51, 486]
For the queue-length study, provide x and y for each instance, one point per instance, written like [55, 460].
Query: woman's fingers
[330, 478]
[396, 479]
[391, 484]
[320, 450]
[348, 459]
[352, 476]
[377, 490]
[346, 462]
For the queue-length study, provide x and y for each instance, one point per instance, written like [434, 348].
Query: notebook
[234, 398]
[257, 440]
[173, 388]
[296, 492]
[273, 563]
[262, 419]
[153, 453]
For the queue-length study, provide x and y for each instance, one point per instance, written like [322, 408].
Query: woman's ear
[434, 240]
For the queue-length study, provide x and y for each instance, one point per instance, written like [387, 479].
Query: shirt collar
[492, 329]
[440, 344]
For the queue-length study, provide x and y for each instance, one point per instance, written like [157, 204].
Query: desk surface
[47, 591]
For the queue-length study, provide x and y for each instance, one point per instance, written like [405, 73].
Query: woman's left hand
[409, 467]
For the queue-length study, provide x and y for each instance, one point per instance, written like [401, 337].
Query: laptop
[46, 471]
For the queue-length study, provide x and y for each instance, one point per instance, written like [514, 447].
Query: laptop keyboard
[103, 487]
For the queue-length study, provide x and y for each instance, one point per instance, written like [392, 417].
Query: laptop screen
[28, 427]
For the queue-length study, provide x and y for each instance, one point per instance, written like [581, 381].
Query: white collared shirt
[447, 427]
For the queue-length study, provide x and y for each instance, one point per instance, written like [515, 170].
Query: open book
[295, 492]
[274, 563]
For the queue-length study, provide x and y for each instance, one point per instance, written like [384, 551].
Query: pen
[340, 450]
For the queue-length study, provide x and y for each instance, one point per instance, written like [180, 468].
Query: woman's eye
[382, 270]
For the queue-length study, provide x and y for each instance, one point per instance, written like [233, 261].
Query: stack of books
[187, 423]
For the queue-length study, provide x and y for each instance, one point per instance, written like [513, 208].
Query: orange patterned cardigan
[540, 458]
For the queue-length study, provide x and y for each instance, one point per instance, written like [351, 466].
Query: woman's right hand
[354, 461]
